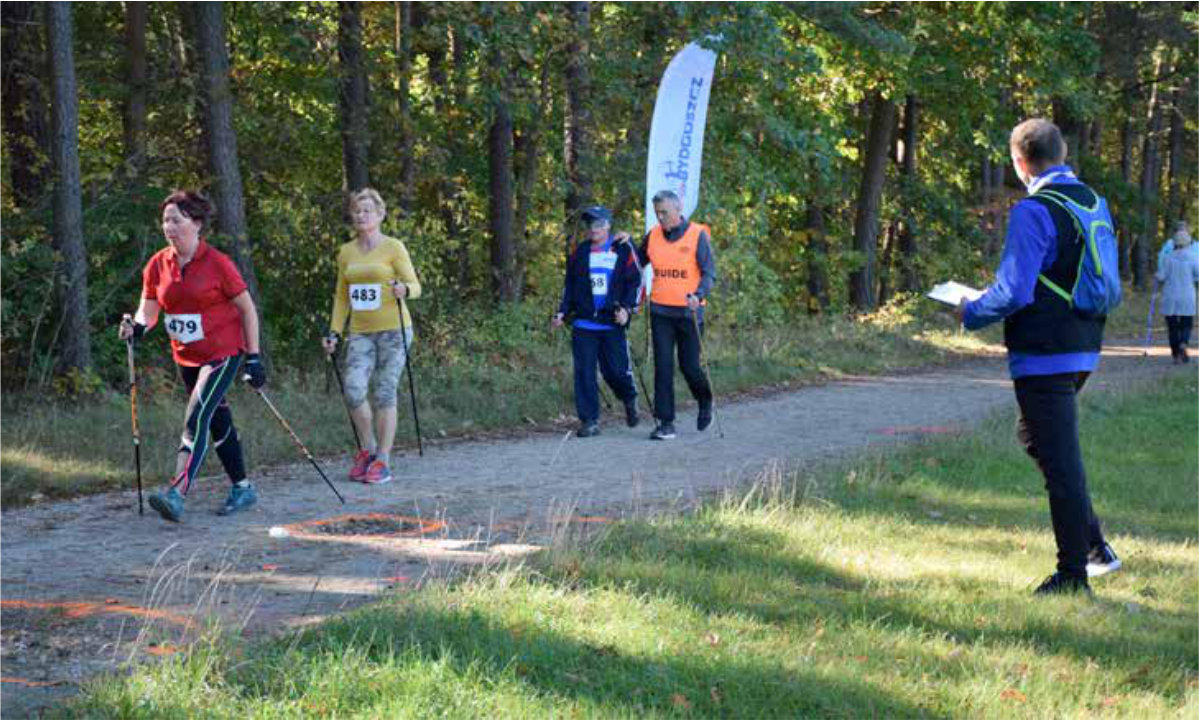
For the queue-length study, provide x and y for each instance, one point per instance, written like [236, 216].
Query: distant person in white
[1179, 273]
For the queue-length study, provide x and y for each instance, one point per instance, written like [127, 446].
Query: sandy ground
[88, 584]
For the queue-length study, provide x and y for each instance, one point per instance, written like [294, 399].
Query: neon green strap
[1064, 202]
[1056, 288]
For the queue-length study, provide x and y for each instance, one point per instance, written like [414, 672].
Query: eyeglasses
[597, 225]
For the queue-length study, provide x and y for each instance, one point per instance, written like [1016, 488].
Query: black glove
[256, 372]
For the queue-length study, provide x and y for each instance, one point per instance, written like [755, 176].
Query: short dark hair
[663, 196]
[193, 206]
[1039, 141]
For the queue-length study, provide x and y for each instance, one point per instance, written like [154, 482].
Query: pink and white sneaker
[358, 471]
[377, 473]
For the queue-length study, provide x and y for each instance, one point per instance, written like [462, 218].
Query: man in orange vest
[680, 252]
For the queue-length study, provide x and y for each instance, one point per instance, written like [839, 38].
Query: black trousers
[676, 336]
[610, 350]
[1048, 428]
[208, 414]
[1179, 331]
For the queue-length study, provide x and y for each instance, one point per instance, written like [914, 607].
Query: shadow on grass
[662, 561]
[615, 683]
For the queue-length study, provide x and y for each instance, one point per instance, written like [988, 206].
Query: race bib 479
[185, 327]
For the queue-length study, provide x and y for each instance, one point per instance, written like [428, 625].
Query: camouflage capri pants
[369, 352]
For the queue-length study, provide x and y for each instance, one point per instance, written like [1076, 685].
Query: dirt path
[88, 584]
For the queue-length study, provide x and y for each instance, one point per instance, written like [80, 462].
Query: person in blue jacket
[1052, 349]
[599, 295]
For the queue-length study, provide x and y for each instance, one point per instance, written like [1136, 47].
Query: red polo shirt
[203, 323]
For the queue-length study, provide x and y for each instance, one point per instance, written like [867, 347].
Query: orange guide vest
[676, 272]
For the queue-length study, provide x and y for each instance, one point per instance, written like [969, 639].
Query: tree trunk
[1174, 210]
[1069, 125]
[404, 124]
[506, 287]
[352, 96]
[134, 115]
[68, 207]
[1125, 234]
[25, 112]
[222, 142]
[526, 145]
[449, 102]
[887, 256]
[866, 222]
[909, 280]
[577, 132]
[817, 258]
[1148, 186]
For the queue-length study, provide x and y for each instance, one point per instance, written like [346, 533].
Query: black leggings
[208, 413]
[1179, 332]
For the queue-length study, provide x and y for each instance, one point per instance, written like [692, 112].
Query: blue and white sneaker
[1102, 560]
[168, 504]
[239, 499]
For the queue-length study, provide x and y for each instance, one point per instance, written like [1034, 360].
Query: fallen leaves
[1011, 694]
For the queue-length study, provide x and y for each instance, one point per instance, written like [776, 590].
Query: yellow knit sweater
[364, 287]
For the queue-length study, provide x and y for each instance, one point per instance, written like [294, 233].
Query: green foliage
[785, 131]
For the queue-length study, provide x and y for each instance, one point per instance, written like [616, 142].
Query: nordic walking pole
[295, 438]
[412, 386]
[637, 368]
[342, 390]
[707, 373]
[1150, 316]
[137, 436]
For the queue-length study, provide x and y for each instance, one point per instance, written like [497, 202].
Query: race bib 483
[366, 296]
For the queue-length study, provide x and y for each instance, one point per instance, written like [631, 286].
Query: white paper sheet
[952, 292]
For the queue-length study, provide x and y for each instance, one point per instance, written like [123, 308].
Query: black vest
[1048, 325]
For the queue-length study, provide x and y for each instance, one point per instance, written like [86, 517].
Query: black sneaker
[663, 432]
[704, 419]
[631, 413]
[1102, 560]
[587, 430]
[1060, 584]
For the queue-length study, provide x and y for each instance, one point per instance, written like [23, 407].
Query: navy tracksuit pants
[610, 350]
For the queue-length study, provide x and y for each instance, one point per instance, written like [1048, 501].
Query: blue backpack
[1097, 289]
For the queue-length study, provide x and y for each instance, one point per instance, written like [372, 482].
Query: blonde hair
[357, 196]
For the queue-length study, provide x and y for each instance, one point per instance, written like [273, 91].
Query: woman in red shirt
[212, 322]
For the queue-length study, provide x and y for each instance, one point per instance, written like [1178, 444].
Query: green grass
[895, 586]
[509, 373]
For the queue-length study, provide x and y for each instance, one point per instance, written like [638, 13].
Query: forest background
[855, 152]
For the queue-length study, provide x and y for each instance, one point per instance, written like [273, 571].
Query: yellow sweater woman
[375, 276]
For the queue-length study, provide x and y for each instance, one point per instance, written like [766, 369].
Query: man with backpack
[1056, 282]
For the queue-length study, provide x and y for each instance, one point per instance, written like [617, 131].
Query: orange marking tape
[591, 519]
[164, 650]
[80, 609]
[27, 682]
[904, 430]
[301, 530]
